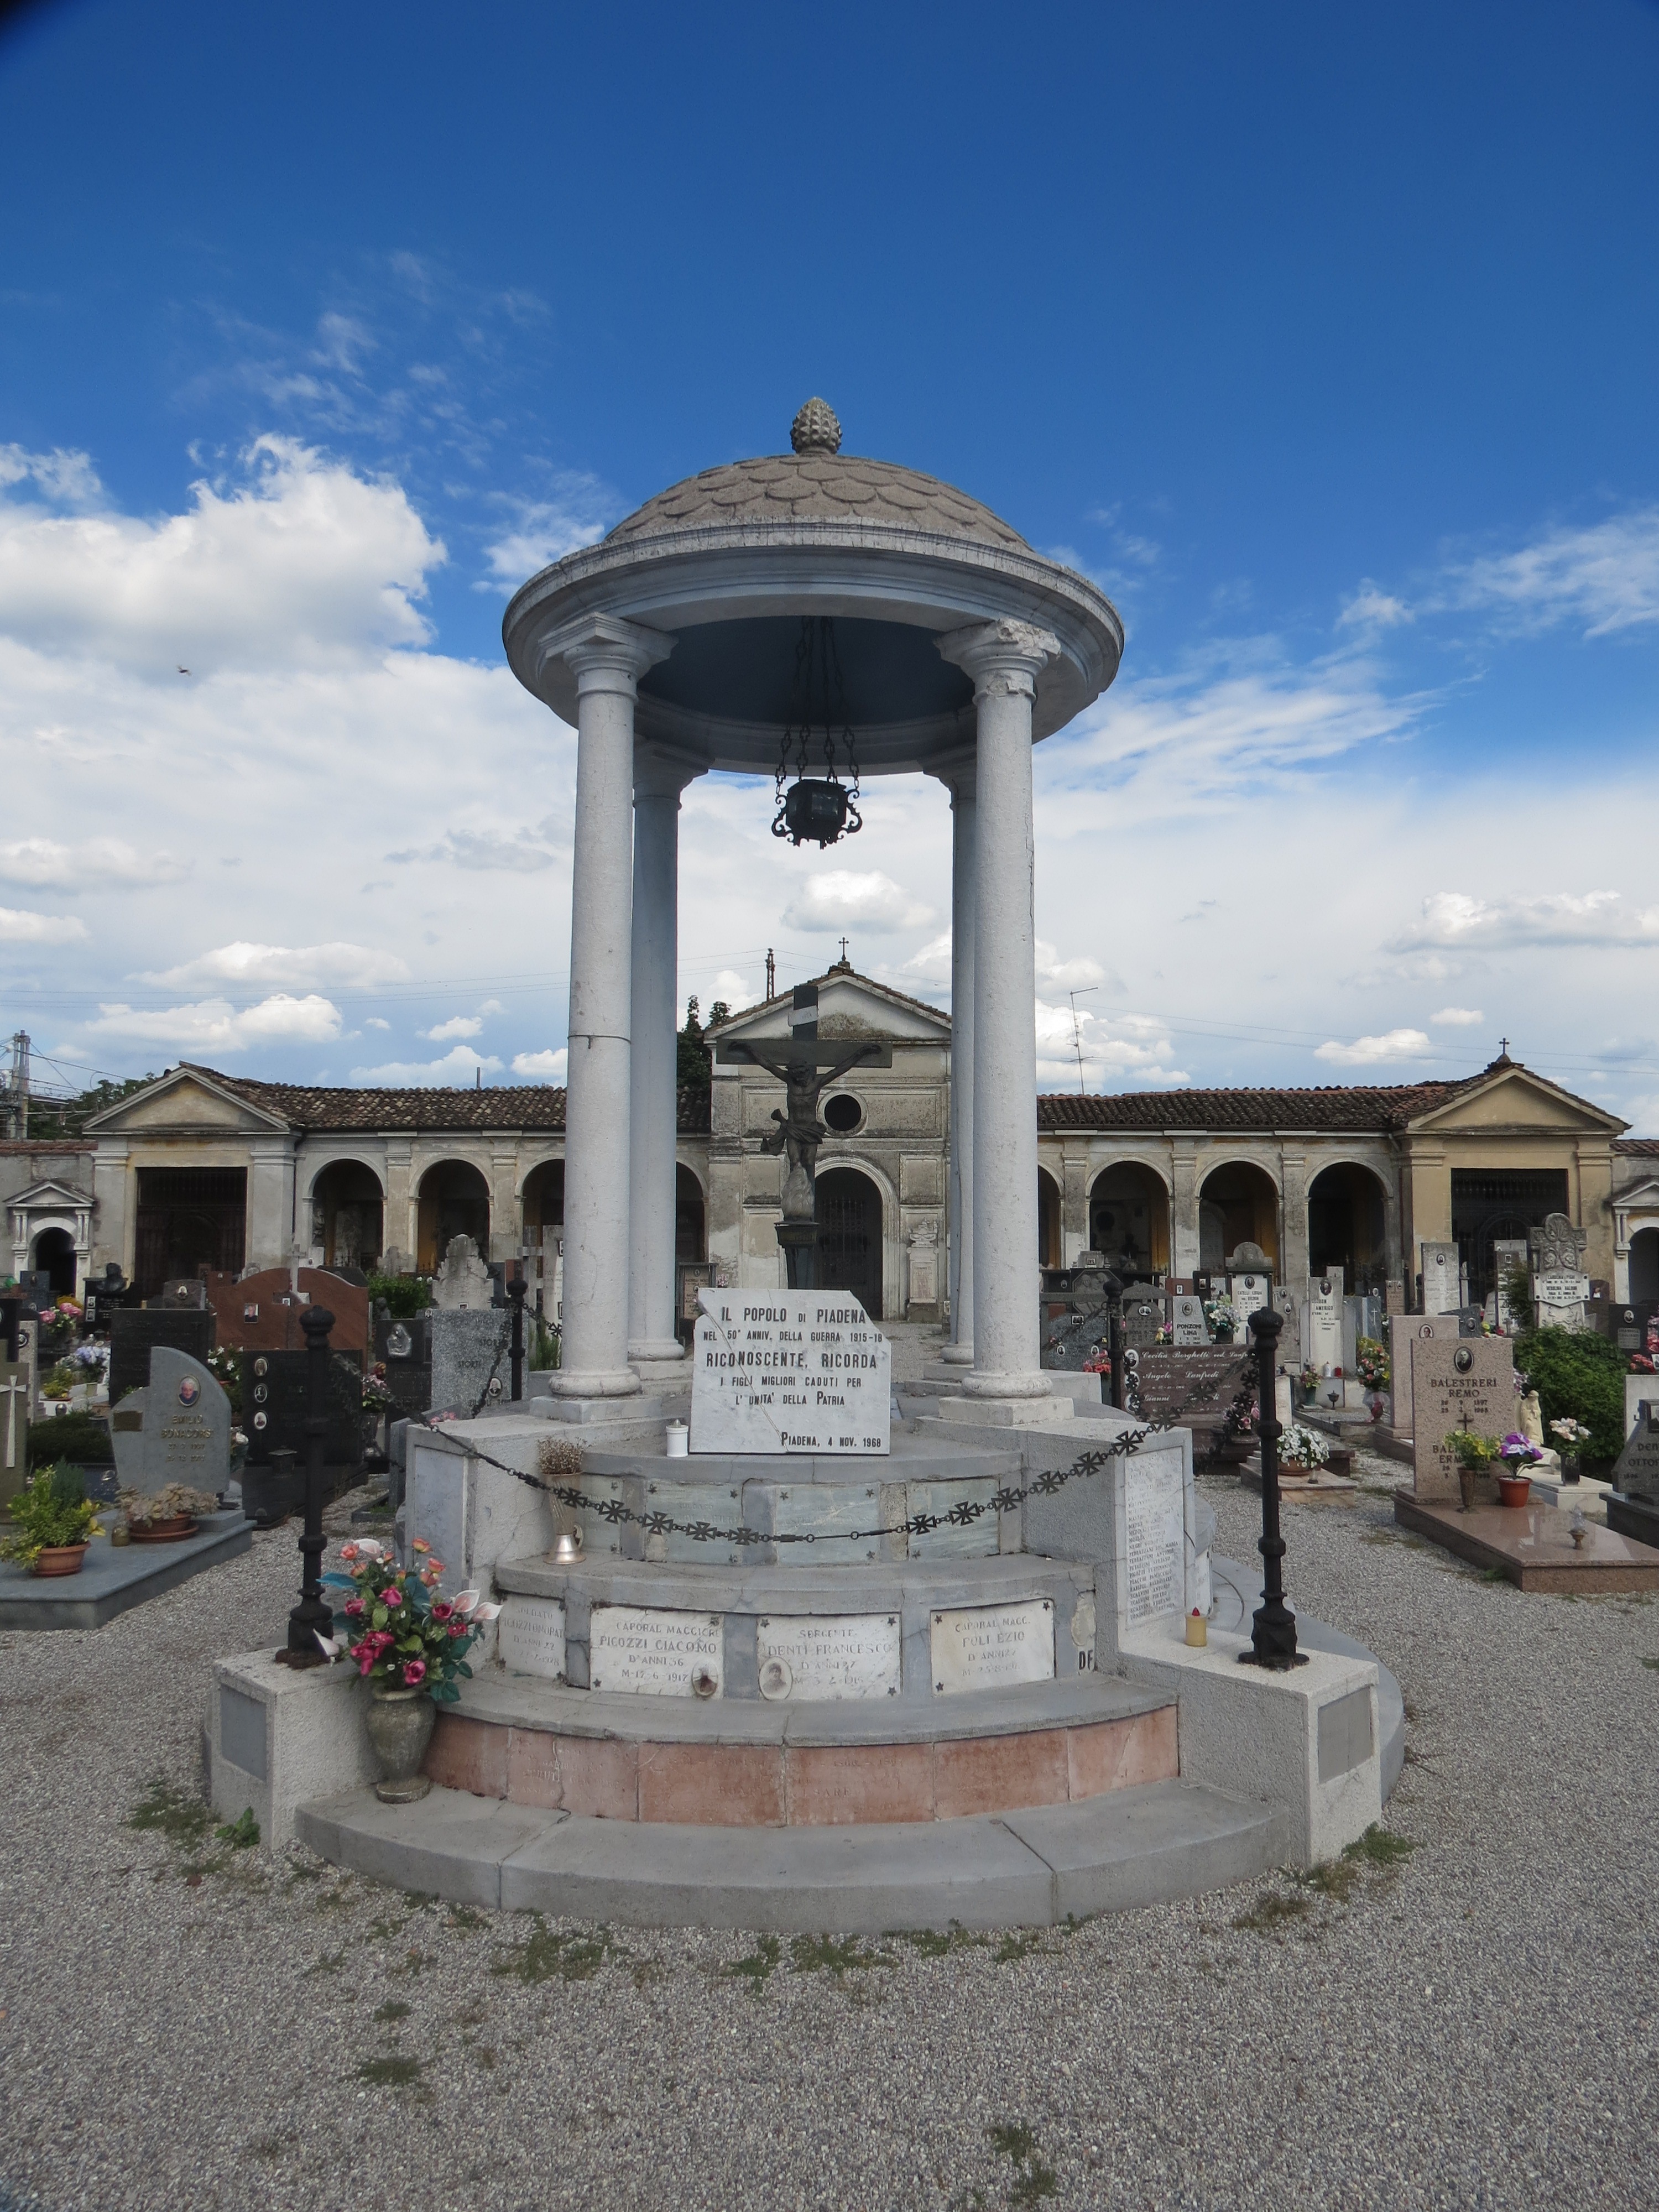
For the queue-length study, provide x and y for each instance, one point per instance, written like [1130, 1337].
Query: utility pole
[1077, 1033]
[17, 1105]
[771, 973]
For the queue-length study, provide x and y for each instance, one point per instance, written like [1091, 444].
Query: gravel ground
[1470, 2022]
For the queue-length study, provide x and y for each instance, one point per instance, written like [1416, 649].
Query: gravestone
[462, 1283]
[261, 1311]
[276, 1403]
[1187, 1326]
[471, 1357]
[1143, 1317]
[136, 1331]
[789, 1371]
[1195, 1388]
[986, 1647]
[1560, 1285]
[1457, 1383]
[1324, 1322]
[13, 1427]
[827, 1656]
[1075, 1338]
[1248, 1294]
[175, 1428]
[1442, 1280]
[1509, 1253]
[403, 1348]
[1154, 1537]
[183, 1290]
[1636, 1471]
[1410, 1329]
[654, 1651]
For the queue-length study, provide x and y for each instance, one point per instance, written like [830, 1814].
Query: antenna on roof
[771, 973]
[1077, 1033]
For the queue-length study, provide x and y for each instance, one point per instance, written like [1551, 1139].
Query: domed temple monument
[778, 1647]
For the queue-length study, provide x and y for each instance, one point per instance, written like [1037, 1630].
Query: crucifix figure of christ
[805, 1067]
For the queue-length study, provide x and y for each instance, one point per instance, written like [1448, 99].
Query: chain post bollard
[1113, 1290]
[515, 1290]
[312, 1616]
[1272, 1637]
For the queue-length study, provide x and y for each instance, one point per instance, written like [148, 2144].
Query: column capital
[959, 772]
[605, 654]
[1004, 656]
[662, 771]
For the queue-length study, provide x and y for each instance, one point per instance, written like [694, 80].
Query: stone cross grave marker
[1457, 1380]
[462, 1283]
[176, 1428]
[13, 1427]
[789, 1371]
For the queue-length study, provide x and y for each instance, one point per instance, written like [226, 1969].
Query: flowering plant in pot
[1518, 1453]
[1307, 1382]
[409, 1646]
[53, 1521]
[1475, 1455]
[1301, 1451]
[1572, 1436]
[167, 1518]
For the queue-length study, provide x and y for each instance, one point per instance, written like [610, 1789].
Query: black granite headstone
[275, 1405]
[1191, 1386]
[1072, 1339]
[403, 1348]
[1636, 1471]
[133, 1331]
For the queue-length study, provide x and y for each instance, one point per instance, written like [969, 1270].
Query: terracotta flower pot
[400, 1724]
[173, 1531]
[59, 1560]
[1513, 1489]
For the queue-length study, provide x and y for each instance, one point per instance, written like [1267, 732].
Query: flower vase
[1514, 1488]
[59, 1560]
[400, 1724]
[1467, 1480]
[1570, 1467]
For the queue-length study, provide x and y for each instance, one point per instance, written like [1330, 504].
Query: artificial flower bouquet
[395, 1629]
[1517, 1452]
[1303, 1449]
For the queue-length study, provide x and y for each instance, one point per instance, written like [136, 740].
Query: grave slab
[113, 1580]
[1532, 1546]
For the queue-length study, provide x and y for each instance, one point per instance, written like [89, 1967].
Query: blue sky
[1326, 339]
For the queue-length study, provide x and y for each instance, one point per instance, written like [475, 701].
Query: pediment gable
[1511, 1098]
[50, 1197]
[849, 1006]
[185, 1101]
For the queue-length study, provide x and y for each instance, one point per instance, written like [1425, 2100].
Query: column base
[594, 1383]
[957, 1355]
[1010, 1412]
[657, 1352]
[991, 1382]
[635, 1412]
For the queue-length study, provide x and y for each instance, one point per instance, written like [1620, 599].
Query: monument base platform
[1532, 1545]
[1635, 1517]
[1045, 1412]
[112, 1580]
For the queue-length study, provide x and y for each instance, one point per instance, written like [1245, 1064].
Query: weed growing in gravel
[1272, 1912]
[1493, 1575]
[465, 1919]
[240, 1834]
[758, 1967]
[390, 2073]
[325, 1966]
[1019, 1943]
[933, 1944]
[833, 1955]
[393, 2008]
[1381, 1847]
[181, 1817]
[544, 1955]
[1652, 1665]
[1018, 2142]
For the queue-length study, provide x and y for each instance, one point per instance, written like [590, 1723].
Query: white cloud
[840, 899]
[18, 926]
[1463, 921]
[1371, 609]
[300, 563]
[374, 1022]
[1457, 1017]
[492, 1007]
[97, 863]
[349, 967]
[541, 1067]
[525, 853]
[933, 963]
[1375, 1051]
[458, 1026]
[215, 1026]
[1605, 576]
[1117, 1049]
[542, 531]
[1054, 974]
[733, 990]
[458, 1067]
[64, 479]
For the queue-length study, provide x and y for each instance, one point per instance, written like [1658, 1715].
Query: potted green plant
[1475, 1455]
[52, 1522]
[409, 1646]
[1307, 1382]
[169, 1516]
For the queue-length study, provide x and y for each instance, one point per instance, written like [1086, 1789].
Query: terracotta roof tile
[1373, 1107]
[522, 1106]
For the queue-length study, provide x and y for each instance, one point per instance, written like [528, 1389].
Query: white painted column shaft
[959, 1353]
[652, 1208]
[607, 658]
[1004, 659]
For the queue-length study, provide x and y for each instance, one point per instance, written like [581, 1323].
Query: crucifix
[9, 1391]
[805, 1066]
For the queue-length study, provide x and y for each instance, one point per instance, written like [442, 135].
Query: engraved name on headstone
[789, 1371]
[1325, 1319]
[1154, 1538]
[828, 1656]
[1248, 1294]
[1442, 1292]
[656, 1652]
[1457, 1380]
[1143, 1317]
[530, 1636]
[983, 1647]
[1187, 1326]
[1636, 1472]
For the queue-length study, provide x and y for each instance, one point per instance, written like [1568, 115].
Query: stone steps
[1035, 1869]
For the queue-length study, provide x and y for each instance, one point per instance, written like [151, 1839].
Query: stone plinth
[1533, 1545]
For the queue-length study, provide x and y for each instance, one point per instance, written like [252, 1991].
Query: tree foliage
[1580, 1375]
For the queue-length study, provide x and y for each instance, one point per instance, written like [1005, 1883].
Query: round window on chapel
[843, 1115]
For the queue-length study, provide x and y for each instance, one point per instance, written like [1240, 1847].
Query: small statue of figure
[1532, 1419]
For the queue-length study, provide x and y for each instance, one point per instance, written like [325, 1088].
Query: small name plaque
[530, 1636]
[789, 1371]
[832, 1655]
[655, 1652]
[983, 1647]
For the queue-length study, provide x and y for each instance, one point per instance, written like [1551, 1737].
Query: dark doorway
[1643, 1266]
[689, 1231]
[54, 1255]
[454, 1202]
[849, 1236]
[1049, 1243]
[1488, 1204]
[347, 1212]
[1345, 1225]
[188, 1217]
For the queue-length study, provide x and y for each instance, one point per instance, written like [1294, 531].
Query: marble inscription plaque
[438, 1512]
[1187, 1326]
[850, 1655]
[1325, 1321]
[789, 1371]
[656, 1652]
[530, 1636]
[984, 1647]
[1154, 1538]
[1248, 1294]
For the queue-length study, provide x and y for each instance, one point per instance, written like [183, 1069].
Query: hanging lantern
[815, 809]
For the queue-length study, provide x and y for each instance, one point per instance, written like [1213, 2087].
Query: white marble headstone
[848, 1654]
[1154, 1537]
[984, 1647]
[789, 1371]
[530, 1636]
[1325, 1319]
[656, 1652]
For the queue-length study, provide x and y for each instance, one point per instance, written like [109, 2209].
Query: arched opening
[1049, 1243]
[1236, 1205]
[188, 1217]
[689, 1232]
[543, 1201]
[1345, 1225]
[1645, 1266]
[849, 1236]
[54, 1255]
[1129, 1221]
[454, 1201]
[347, 1215]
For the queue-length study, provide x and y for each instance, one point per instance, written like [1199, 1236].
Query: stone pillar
[1004, 658]
[607, 657]
[1183, 1209]
[1295, 1249]
[659, 780]
[111, 1179]
[959, 1353]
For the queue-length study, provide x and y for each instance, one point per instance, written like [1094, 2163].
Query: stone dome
[817, 485]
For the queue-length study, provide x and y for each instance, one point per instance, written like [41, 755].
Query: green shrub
[79, 1436]
[1579, 1374]
[403, 1296]
[51, 1509]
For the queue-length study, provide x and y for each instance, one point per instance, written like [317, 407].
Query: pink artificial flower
[414, 1672]
[348, 1550]
[394, 1596]
[442, 1609]
[459, 1628]
[329, 1645]
[482, 1613]
[368, 1548]
[354, 1607]
[466, 1601]
[430, 1575]
[420, 1544]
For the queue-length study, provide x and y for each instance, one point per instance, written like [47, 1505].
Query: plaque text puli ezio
[984, 1646]
[651, 1649]
[789, 1371]
[829, 1656]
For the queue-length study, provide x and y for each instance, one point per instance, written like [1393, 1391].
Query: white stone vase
[400, 1724]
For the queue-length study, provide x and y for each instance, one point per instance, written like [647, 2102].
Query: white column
[607, 657]
[659, 780]
[1004, 659]
[959, 1353]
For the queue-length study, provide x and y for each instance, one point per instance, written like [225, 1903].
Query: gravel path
[1470, 2023]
